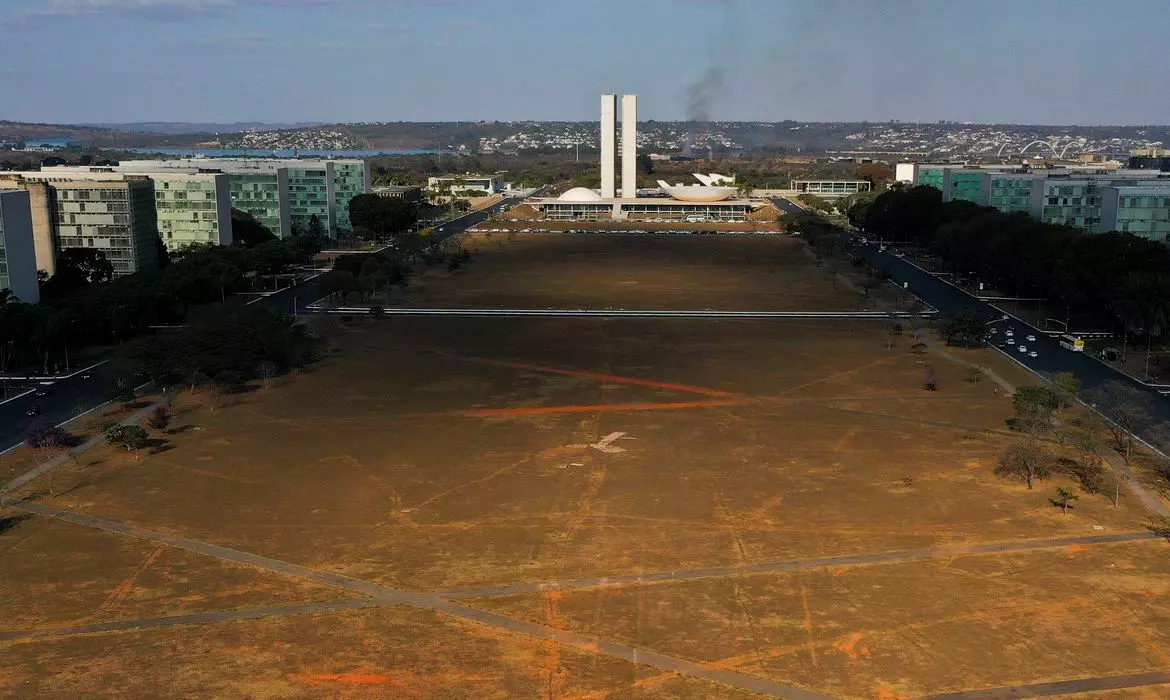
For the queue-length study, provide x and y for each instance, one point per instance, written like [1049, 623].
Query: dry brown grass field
[474, 459]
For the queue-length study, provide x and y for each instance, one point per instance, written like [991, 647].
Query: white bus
[1073, 343]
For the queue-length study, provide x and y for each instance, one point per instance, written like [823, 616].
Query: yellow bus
[1069, 342]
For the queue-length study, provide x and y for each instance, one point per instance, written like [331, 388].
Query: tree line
[84, 305]
[1113, 280]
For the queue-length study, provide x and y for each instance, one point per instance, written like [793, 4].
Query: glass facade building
[308, 193]
[264, 195]
[192, 209]
[1072, 203]
[283, 193]
[1142, 211]
[1066, 196]
[1011, 192]
[969, 186]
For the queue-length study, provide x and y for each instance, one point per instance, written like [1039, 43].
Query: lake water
[277, 153]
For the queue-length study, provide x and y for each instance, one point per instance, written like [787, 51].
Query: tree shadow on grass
[9, 522]
[156, 446]
[179, 430]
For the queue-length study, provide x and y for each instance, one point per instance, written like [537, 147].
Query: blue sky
[1024, 61]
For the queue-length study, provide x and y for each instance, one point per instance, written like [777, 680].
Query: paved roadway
[1051, 358]
[787, 206]
[68, 398]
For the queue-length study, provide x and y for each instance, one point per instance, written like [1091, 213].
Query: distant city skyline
[1039, 62]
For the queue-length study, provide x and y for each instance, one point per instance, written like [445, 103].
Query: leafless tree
[1126, 407]
[1026, 458]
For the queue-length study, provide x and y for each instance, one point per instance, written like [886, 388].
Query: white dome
[580, 194]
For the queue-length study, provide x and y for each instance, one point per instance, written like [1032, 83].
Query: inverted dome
[580, 195]
[700, 193]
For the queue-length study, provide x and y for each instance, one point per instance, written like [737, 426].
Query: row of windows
[92, 194]
[177, 196]
[186, 206]
[1143, 201]
[93, 207]
[191, 185]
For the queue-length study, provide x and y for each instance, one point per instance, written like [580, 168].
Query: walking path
[193, 619]
[392, 596]
[52, 464]
[1044, 690]
[794, 565]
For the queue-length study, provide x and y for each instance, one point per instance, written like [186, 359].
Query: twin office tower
[629, 146]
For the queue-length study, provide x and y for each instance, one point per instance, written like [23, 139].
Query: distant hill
[179, 128]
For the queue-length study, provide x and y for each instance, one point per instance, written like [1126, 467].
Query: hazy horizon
[1042, 63]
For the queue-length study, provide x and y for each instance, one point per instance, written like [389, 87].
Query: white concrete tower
[629, 146]
[608, 145]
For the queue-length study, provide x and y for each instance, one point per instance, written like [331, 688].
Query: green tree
[1065, 386]
[1034, 407]
[1063, 499]
[315, 229]
[247, 231]
[965, 330]
[77, 268]
[129, 437]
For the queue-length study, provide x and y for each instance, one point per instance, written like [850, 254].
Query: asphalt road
[1051, 358]
[787, 207]
[68, 398]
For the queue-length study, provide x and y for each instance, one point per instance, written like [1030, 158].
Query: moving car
[41, 393]
[1031, 339]
[33, 411]
[1032, 354]
[1023, 348]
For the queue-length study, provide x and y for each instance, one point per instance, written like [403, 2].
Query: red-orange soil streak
[596, 408]
[808, 624]
[350, 678]
[217, 475]
[123, 589]
[611, 378]
[553, 662]
[850, 647]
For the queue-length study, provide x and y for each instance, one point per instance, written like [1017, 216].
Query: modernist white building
[466, 183]
[713, 199]
[192, 207]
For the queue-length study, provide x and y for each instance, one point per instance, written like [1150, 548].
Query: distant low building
[410, 193]
[465, 183]
[831, 188]
[1150, 159]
